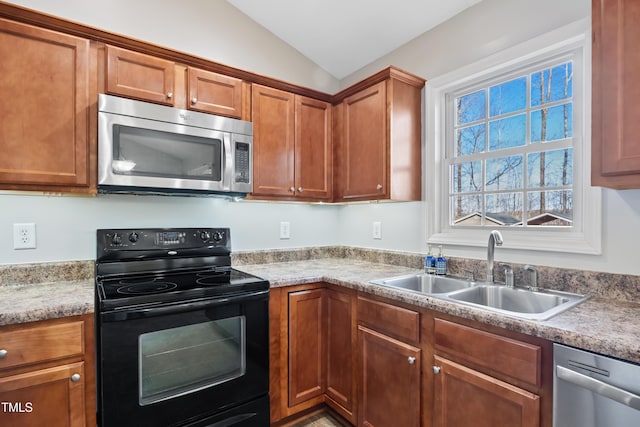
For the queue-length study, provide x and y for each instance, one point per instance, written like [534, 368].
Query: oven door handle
[183, 307]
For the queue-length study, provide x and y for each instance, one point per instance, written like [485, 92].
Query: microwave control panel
[242, 162]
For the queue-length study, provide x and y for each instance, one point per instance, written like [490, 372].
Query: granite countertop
[41, 301]
[603, 326]
[599, 325]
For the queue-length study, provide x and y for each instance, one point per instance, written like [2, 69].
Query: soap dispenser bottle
[441, 264]
[430, 263]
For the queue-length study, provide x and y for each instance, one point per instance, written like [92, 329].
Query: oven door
[179, 363]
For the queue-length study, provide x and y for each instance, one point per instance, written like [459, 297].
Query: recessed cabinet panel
[616, 89]
[464, 397]
[136, 75]
[365, 149]
[273, 115]
[214, 93]
[44, 108]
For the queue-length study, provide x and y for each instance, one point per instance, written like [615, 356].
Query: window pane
[471, 140]
[550, 208]
[504, 173]
[552, 84]
[508, 97]
[466, 209]
[507, 133]
[504, 209]
[552, 123]
[550, 168]
[466, 177]
[470, 108]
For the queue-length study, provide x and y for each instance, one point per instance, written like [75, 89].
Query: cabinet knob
[75, 378]
[170, 95]
[299, 189]
[194, 100]
[292, 189]
[379, 187]
[3, 353]
[436, 369]
[411, 360]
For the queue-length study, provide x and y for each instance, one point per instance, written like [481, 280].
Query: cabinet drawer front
[41, 343]
[515, 359]
[394, 321]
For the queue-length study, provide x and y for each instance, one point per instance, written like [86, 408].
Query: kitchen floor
[318, 419]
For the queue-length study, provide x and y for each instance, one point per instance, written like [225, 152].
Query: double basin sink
[512, 301]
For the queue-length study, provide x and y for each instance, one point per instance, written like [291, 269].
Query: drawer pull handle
[411, 360]
[436, 370]
[169, 95]
[379, 187]
[3, 353]
[194, 100]
[75, 378]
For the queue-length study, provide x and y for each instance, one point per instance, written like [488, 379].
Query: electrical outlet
[24, 236]
[377, 230]
[285, 230]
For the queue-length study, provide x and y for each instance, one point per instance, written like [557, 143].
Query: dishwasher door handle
[612, 392]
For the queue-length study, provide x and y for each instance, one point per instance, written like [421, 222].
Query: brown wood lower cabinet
[382, 363]
[47, 373]
[465, 397]
[390, 381]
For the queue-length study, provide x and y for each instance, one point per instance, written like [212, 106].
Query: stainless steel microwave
[149, 148]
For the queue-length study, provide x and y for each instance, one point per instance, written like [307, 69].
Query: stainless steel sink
[517, 302]
[426, 283]
[539, 305]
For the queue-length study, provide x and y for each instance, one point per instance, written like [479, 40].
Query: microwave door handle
[228, 167]
[115, 316]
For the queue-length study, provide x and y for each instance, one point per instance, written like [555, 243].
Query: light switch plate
[377, 230]
[285, 230]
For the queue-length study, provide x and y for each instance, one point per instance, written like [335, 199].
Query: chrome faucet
[495, 238]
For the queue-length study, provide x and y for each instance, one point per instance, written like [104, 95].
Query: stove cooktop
[127, 290]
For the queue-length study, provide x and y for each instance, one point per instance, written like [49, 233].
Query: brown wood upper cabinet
[149, 78]
[292, 153]
[615, 159]
[48, 366]
[379, 148]
[46, 88]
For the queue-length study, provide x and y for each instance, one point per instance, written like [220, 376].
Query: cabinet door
[616, 89]
[464, 397]
[306, 345]
[313, 152]
[53, 397]
[273, 115]
[364, 155]
[136, 75]
[214, 93]
[44, 108]
[340, 341]
[390, 381]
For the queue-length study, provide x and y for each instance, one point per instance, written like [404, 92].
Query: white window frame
[585, 236]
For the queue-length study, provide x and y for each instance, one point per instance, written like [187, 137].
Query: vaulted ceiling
[342, 36]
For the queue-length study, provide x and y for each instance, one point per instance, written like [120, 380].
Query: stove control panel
[163, 239]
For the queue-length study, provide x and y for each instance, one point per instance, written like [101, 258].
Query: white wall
[484, 29]
[66, 226]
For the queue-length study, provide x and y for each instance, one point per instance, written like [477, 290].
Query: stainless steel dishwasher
[591, 390]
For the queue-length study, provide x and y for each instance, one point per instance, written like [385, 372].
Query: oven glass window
[155, 153]
[177, 361]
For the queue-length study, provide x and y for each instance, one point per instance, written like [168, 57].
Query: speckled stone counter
[30, 292]
[610, 327]
[607, 326]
